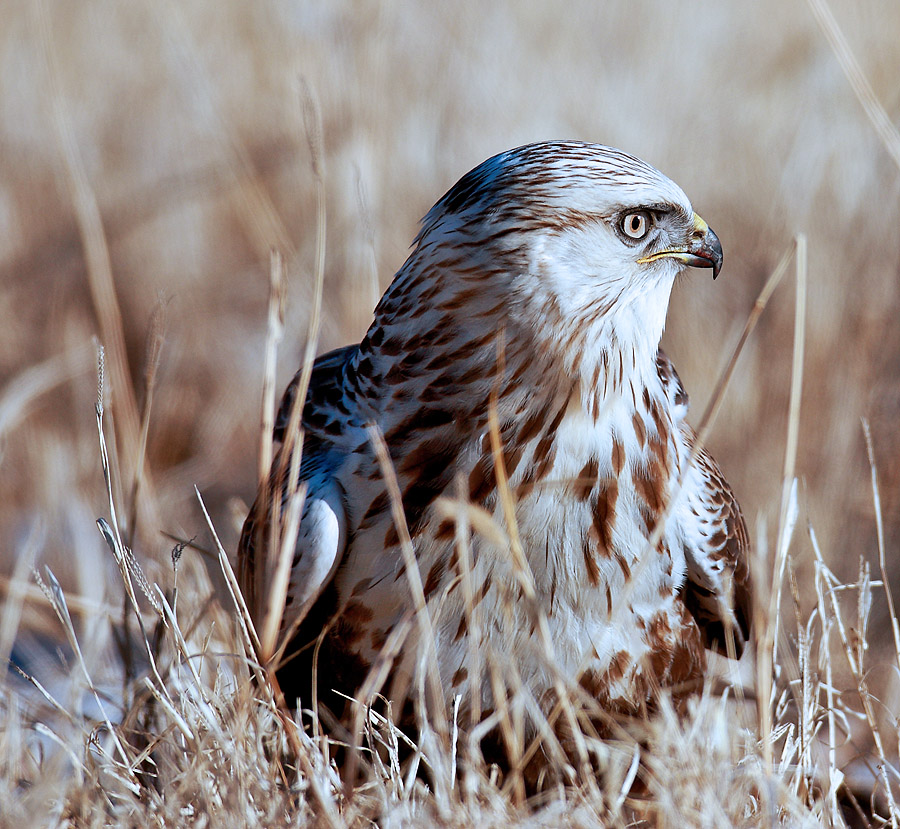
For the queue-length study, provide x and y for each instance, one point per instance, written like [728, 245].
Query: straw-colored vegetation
[153, 155]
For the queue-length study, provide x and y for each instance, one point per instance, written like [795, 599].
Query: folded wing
[716, 545]
[322, 536]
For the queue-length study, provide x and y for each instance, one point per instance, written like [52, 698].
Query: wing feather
[322, 537]
[716, 545]
[326, 386]
[717, 591]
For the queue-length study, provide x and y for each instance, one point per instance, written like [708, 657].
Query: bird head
[577, 237]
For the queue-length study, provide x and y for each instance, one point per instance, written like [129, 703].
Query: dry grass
[153, 155]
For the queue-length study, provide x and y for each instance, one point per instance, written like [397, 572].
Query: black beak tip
[713, 250]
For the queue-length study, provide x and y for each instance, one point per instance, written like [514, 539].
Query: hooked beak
[703, 251]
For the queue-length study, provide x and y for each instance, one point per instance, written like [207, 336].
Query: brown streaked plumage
[560, 257]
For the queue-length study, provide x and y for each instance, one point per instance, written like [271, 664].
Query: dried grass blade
[874, 110]
[525, 577]
[413, 576]
[251, 640]
[879, 527]
[787, 516]
[279, 581]
[99, 267]
[152, 360]
[58, 600]
[288, 474]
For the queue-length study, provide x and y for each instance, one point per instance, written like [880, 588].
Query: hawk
[534, 299]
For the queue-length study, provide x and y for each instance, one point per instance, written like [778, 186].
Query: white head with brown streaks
[571, 248]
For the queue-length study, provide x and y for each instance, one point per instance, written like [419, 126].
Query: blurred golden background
[175, 133]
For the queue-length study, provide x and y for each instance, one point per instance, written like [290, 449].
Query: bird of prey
[513, 366]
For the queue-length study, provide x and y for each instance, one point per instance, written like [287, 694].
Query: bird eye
[636, 225]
